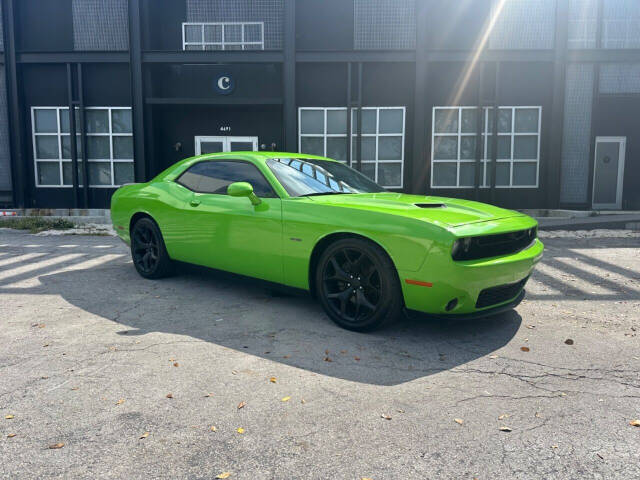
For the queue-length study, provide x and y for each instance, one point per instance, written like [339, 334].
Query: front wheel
[148, 252]
[357, 285]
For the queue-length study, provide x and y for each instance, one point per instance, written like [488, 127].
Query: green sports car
[315, 224]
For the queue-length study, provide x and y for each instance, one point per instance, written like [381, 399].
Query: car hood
[448, 212]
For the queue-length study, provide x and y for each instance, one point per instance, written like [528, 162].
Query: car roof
[258, 156]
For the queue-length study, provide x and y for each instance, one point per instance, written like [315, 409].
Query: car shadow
[238, 313]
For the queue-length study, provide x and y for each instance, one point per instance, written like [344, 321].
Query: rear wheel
[357, 285]
[148, 252]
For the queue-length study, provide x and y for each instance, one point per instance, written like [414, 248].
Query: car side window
[216, 176]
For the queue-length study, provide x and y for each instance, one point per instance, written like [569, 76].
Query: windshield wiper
[325, 193]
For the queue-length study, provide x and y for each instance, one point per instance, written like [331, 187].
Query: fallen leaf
[503, 416]
[233, 372]
[302, 400]
[459, 421]
[55, 446]
[357, 359]
[635, 423]
[562, 394]
[366, 478]
[530, 326]
[8, 417]
[286, 356]
[169, 395]
[385, 416]
[524, 349]
[144, 435]
[505, 429]
[11, 435]
[554, 446]
[326, 352]
[240, 430]
[568, 341]
[224, 475]
[400, 411]
[75, 388]
[120, 402]
[493, 357]
[41, 325]
[241, 405]
[327, 359]
[176, 364]
[208, 395]
[212, 428]
[272, 379]
[45, 345]
[285, 399]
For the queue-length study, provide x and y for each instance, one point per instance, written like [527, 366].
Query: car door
[229, 233]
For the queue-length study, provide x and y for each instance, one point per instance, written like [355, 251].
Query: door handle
[194, 202]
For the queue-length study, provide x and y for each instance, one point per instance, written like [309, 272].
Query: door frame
[226, 141]
[622, 141]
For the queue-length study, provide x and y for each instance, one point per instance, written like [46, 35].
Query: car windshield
[305, 177]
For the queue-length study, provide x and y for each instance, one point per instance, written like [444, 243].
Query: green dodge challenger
[313, 223]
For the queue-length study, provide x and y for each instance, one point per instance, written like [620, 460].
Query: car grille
[499, 294]
[486, 246]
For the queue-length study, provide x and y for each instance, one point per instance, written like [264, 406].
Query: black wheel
[148, 252]
[357, 285]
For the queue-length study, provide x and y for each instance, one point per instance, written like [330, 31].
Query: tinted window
[303, 176]
[215, 177]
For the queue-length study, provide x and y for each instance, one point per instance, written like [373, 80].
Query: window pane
[526, 120]
[46, 147]
[312, 121]
[467, 148]
[446, 120]
[369, 170]
[99, 173]
[215, 177]
[233, 33]
[48, 173]
[504, 121]
[337, 148]
[121, 121]
[123, 147]
[469, 120]
[504, 147]
[389, 174]
[193, 47]
[312, 145]
[524, 173]
[391, 121]
[503, 173]
[66, 173]
[193, 33]
[389, 148]
[45, 121]
[213, 47]
[467, 174]
[232, 47]
[445, 148]
[368, 148]
[444, 174]
[98, 148]
[368, 121]
[337, 121]
[97, 121]
[253, 33]
[66, 146]
[64, 120]
[525, 147]
[213, 33]
[123, 172]
[253, 46]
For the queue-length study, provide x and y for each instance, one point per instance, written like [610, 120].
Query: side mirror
[243, 189]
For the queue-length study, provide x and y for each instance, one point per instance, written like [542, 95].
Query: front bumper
[442, 280]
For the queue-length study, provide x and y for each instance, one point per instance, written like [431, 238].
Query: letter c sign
[224, 84]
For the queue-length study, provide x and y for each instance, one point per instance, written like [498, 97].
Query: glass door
[225, 144]
[608, 172]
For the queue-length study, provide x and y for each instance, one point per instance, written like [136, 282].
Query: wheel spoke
[342, 297]
[362, 301]
[339, 273]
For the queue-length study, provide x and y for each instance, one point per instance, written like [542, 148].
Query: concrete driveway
[126, 377]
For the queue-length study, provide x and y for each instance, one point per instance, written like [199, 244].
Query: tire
[357, 285]
[148, 251]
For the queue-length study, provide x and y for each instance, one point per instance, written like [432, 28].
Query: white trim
[225, 140]
[622, 144]
[485, 135]
[376, 136]
[222, 43]
[59, 134]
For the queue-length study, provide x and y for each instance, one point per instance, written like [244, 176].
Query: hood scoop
[430, 205]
